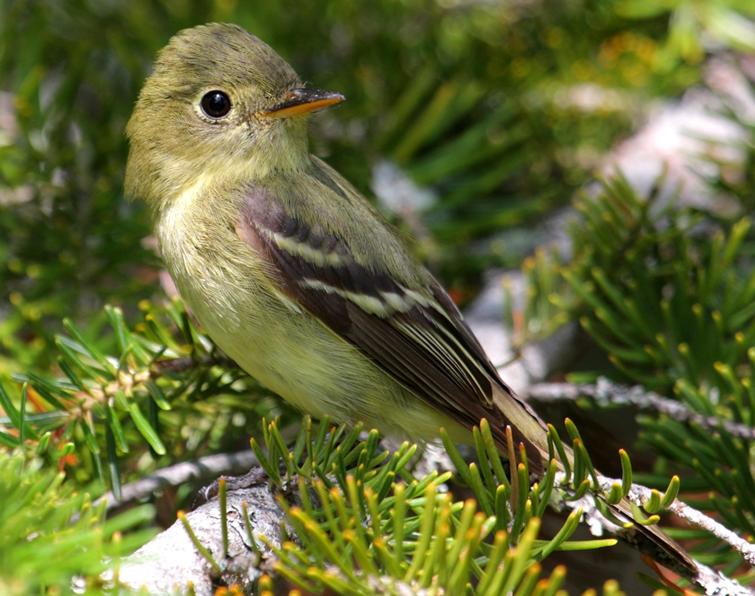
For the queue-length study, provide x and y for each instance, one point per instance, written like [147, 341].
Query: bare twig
[204, 469]
[606, 392]
[704, 522]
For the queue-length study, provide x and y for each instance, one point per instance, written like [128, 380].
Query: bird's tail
[650, 540]
[529, 430]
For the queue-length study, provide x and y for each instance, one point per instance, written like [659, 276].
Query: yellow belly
[281, 345]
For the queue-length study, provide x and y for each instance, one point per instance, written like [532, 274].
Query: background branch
[607, 393]
[204, 469]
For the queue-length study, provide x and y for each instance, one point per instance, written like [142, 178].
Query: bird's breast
[213, 269]
[222, 282]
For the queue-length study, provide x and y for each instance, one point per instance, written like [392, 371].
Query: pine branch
[712, 581]
[352, 526]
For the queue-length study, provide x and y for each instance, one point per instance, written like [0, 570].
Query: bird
[293, 273]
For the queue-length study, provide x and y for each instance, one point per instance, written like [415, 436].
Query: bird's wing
[415, 334]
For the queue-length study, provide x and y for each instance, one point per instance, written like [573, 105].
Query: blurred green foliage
[477, 101]
[502, 109]
[44, 520]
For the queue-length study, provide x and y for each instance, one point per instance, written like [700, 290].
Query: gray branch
[605, 392]
[205, 469]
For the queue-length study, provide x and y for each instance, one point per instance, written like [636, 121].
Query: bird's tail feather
[650, 540]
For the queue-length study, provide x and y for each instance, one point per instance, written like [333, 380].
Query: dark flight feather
[420, 339]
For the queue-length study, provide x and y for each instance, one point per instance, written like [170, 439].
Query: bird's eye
[215, 103]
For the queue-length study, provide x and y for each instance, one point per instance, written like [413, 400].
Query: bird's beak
[302, 101]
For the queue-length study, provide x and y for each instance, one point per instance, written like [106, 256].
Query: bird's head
[219, 102]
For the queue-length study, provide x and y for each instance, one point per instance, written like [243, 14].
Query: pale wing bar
[416, 336]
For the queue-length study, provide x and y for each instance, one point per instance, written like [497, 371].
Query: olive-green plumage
[290, 270]
[201, 174]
